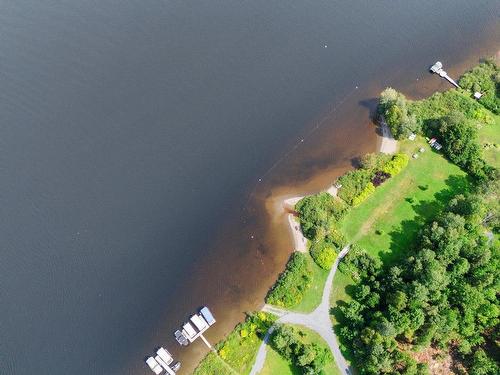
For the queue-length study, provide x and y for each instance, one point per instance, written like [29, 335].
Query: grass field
[490, 134]
[312, 297]
[276, 364]
[386, 224]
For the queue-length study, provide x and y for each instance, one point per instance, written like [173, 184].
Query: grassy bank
[312, 296]
[236, 353]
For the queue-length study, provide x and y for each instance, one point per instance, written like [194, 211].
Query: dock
[163, 363]
[195, 327]
[437, 68]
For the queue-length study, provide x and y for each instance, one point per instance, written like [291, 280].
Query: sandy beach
[388, 145]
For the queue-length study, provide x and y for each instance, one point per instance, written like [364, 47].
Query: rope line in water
[318, 125]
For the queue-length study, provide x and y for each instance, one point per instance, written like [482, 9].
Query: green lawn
[490, 135]
[388, 221]
[275, 364]
[312, 297]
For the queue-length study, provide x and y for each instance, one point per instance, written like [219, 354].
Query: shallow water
[133, 137]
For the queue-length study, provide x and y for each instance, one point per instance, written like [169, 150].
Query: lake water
[133, 135]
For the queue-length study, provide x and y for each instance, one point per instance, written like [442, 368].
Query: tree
[393, 106]
[483, 365]
[318, 214]
[460, 143]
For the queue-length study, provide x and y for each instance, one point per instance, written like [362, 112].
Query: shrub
[380, 177]
[373, 161]
[367, 191]
[396, 164]
[318, 212]
[353, 183]
[291, 285]
[335, 237]
[323, 254]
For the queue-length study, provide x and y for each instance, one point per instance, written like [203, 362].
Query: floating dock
[437, 68]
[163, 361]
[195, 327]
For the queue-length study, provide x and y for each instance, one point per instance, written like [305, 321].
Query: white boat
[154, 365]
[189, 331]
[199, 323]
[165, 355]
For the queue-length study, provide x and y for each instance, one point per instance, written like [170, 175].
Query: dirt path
[389, 145]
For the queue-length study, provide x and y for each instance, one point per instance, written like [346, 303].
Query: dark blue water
[129, 130]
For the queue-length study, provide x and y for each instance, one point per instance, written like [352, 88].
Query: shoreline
[266, 203]
[387, 145]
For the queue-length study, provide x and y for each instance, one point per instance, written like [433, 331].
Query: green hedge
[353, 183]
[323, 254]
[396, 164]
[291, 285]
[367, 191]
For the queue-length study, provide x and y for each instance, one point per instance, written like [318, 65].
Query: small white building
[477, 95]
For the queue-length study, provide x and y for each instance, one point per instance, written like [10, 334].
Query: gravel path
[389, 145]
[318, 321]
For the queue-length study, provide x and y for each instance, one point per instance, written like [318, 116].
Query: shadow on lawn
[403, 239]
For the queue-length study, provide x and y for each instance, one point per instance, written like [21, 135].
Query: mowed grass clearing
[387, 223]
[490, 135]
[276, 364]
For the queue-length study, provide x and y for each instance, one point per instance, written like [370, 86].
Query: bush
[380, 177]
[373, 161]
[353, 183]
[336, 238]
[323, 254]
[291, 285]
[367, 191]
[318, 213]
[396, 164]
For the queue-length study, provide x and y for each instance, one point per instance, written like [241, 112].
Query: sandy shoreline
[388, 145]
